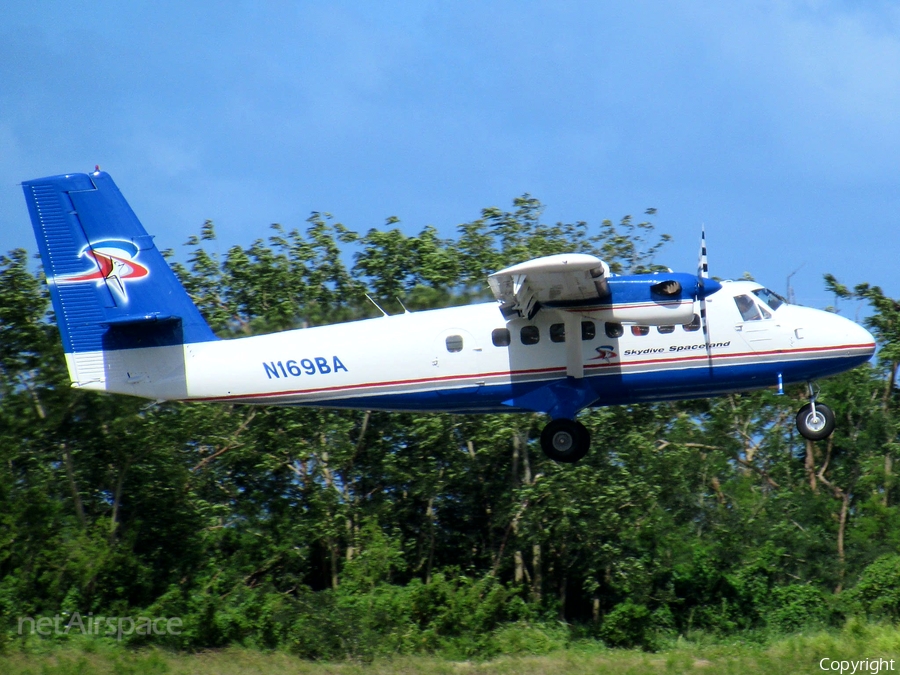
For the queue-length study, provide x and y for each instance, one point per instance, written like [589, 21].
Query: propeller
[702, 277]
[703, 265]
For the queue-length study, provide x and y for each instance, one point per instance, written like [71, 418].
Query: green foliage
[878, 591]
[627, 625]
[794, 607]
[791, 654]
[376, 559]
[333, 534]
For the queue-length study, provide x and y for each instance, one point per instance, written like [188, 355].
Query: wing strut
[574, 357]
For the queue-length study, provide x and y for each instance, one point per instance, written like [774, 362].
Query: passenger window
[500, 337]
[748, 309]
[588, 330]
[557, 332]
[665, 330]
[640, 330]
[530, 335]
[614, 330]
[693, 325]
[454, 343]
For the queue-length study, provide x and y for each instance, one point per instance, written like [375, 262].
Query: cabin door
[456, 361]
[758, 327]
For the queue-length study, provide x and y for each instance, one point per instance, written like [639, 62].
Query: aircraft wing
[522, 288]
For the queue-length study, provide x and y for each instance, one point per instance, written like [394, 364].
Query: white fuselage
[447, 359]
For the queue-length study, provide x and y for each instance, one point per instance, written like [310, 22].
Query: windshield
[748, 309]
[771, 298]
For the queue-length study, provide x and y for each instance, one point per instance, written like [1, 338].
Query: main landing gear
[815, 421]
[565, 440]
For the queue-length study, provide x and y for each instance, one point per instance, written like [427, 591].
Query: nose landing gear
[815, 421]
[565, 440]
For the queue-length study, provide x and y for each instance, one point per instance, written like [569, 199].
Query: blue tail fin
[111, 288]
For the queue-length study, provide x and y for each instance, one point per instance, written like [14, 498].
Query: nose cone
[823, 343]
[857, 337]
[852, 342]
[708, 287]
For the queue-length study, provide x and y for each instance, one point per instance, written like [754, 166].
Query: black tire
[565, 440]
[818, 426]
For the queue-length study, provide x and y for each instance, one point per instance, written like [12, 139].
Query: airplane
[563, 335]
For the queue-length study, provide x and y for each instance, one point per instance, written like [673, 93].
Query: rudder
[111, 288]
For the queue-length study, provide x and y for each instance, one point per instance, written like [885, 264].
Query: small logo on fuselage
[113, 263]
[605, 352]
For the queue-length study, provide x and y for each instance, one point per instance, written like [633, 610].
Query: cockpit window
[771, 298]
[749, 310]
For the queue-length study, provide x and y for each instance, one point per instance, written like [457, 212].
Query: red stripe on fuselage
[516, 373]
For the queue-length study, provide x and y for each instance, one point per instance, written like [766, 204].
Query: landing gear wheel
[815, 426]
[565, 440]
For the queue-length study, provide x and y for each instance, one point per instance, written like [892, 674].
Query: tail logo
[112, 263]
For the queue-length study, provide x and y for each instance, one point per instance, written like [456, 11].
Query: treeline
[332, 533]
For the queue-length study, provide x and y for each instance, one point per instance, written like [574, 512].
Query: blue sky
[776, 124]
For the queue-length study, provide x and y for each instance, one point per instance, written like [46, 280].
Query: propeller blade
[703, 265]
[702, 277]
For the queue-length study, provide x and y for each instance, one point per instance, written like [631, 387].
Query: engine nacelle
[650, 314]
[659, 299]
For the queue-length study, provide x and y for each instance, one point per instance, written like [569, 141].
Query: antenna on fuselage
[368, 297]
[405, 311]
[790, 289]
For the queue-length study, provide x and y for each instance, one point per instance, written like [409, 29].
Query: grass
[799, 653]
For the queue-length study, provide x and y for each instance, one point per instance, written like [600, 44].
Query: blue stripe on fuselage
[611, 387]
